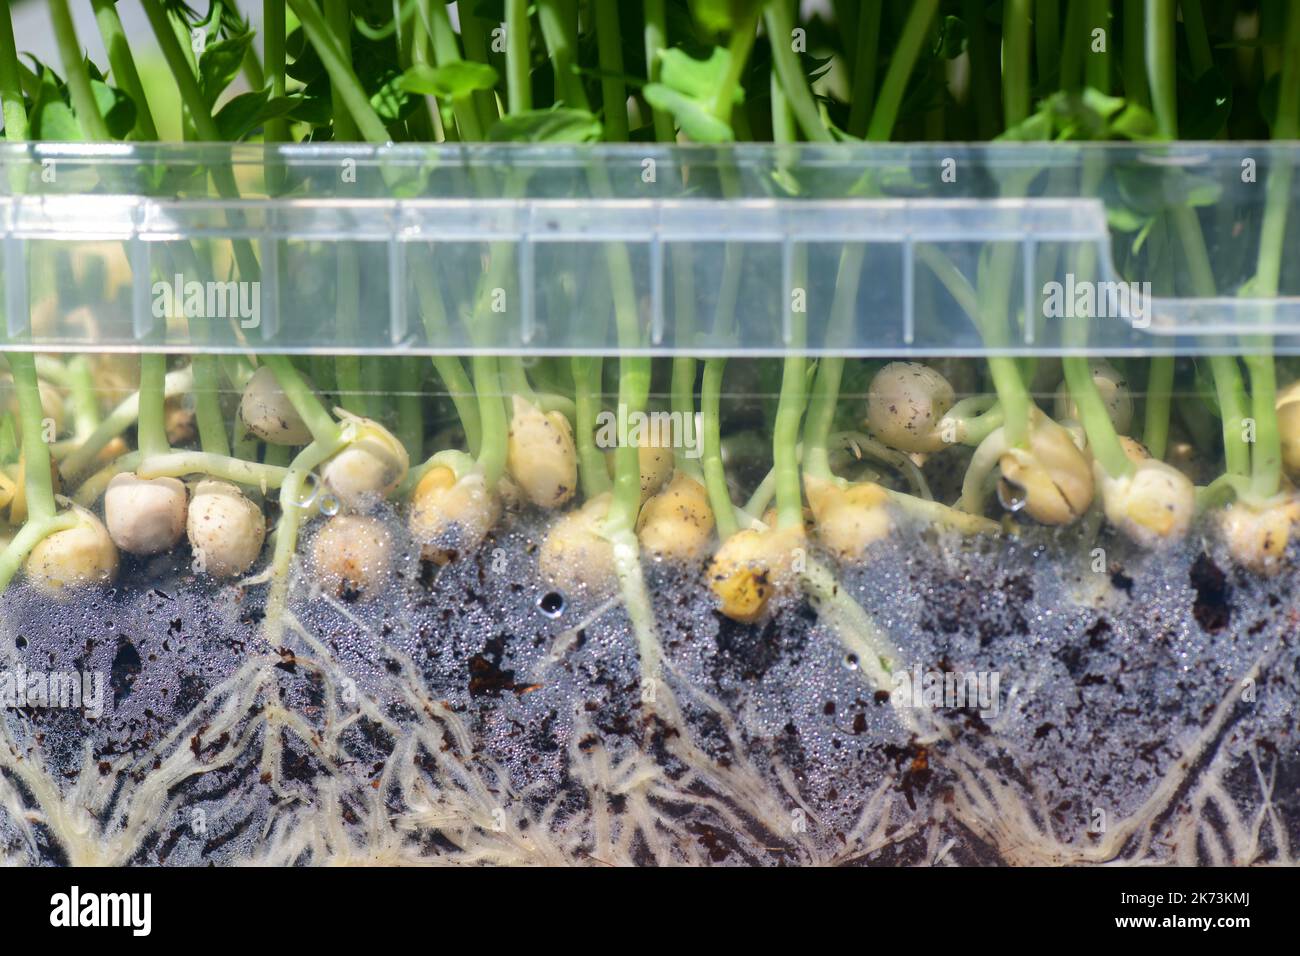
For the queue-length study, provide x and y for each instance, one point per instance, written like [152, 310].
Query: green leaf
[1123, 219]
[696, 78]
[313, 109]
[559, 125]
[391, 101]
[694, 118]
[56, 122]
[219, 64]
[722, 16]
[457, 79]
[1133, 122]
[116, 107]
[1199, 191]
[247, 111]
[1036, 127]
[1086, 115]
[304, 64]
[51, 117]
[1140, 239]
[1203, 112]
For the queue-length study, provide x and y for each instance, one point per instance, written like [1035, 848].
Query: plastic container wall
[889, 250]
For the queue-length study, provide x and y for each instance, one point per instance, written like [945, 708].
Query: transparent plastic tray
[887, 250]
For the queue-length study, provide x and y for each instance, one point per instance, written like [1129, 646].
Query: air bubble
[551, 604]
[329, 504]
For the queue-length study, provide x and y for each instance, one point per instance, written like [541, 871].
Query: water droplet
[329, 504]
[1012, 497]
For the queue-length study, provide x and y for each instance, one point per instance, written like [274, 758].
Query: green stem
[353, 394]
[633, 392]
[152, 430]
[179, 464]
[192, 98]
[518, 84]
[318, 420]
[117, 421]
[683, 406]
[1160, 386]
[476, 51]
[81, 386]
[338, 14]
[1097, 67]
[780, 27]
[514, 378]
[182, 71]
[39, 488]
[74, 67]
[11, 84]
[122, 62]
[830, 370]
[1160, 22]
[492, 415]
[558, 22]
[865, 62]
[277, 456]
[446, 50]
[900, 69]
[274, 31]
[971, 428]
[785, 440]
[1047, 38]
[1161, 78]
[1015, 61]
[656, 37]
[410, 408]
[1073, 44]
[586, 396]
[715, 478]
[33, 532]
[738, 50]
[1266, 458]
[1102, 439]
[1134, 55]
[784, 126]
[336, 64]
[207, 405]
[461, 392]
[613, 90]
[459, 388]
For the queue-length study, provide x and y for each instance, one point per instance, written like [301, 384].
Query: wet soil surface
[1117, 706]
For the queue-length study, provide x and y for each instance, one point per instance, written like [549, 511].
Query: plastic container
[494, 248]
[472, 703]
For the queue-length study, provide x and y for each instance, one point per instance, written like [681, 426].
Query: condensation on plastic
[743, 250]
